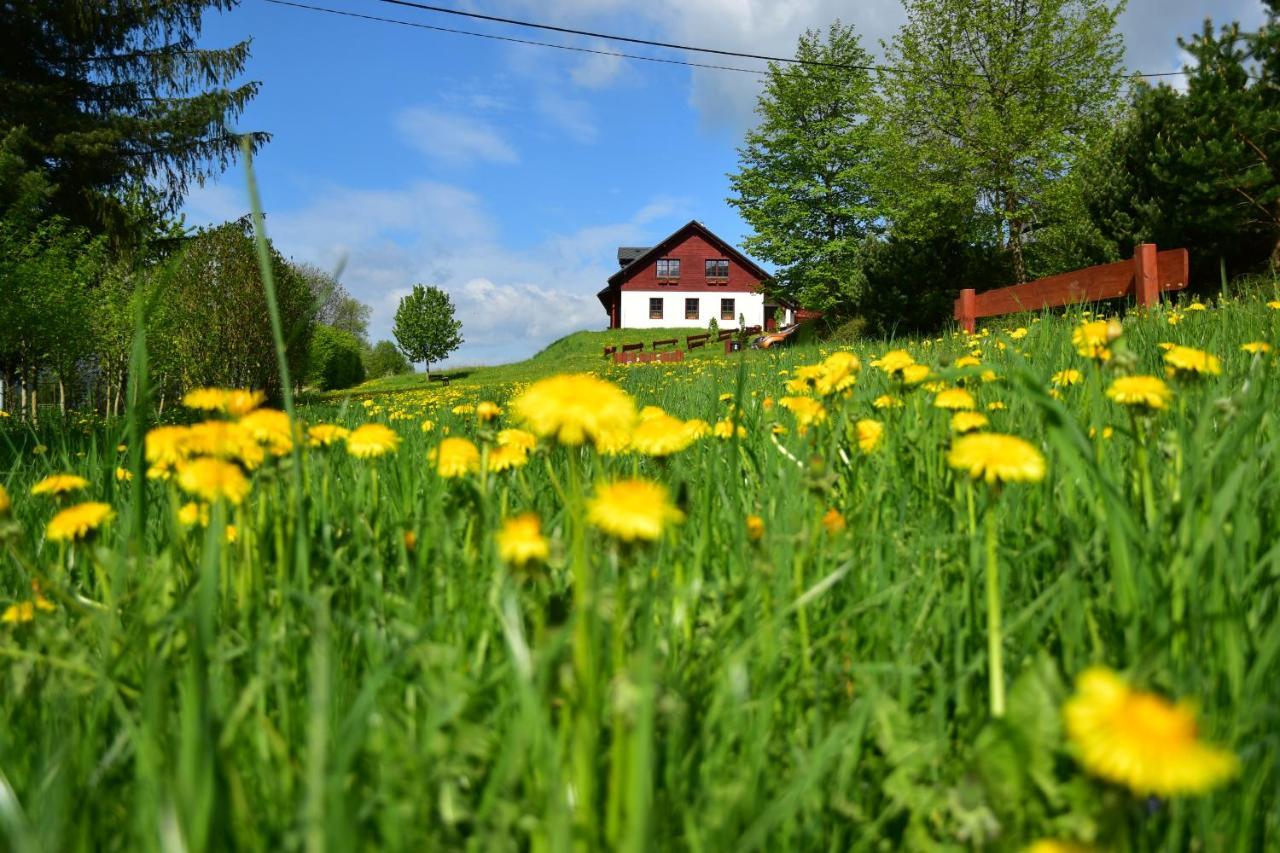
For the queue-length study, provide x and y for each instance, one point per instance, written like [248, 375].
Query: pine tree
[113, 102]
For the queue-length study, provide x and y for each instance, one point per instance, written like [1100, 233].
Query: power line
[513, 40]
[884, 69]
[630, 39]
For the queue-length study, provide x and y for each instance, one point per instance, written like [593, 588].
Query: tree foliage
[996, 100]
[425, 327]
[214, 317]
[334, 359]
[334, 305]
[117, 105]
[803, 182]
[385, 359]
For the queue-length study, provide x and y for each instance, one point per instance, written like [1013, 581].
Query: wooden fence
[1148, 274]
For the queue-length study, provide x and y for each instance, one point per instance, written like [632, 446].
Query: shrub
[385, 359]
[334, 359]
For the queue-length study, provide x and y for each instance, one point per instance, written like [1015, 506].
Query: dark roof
[627, 254]
[692, 225]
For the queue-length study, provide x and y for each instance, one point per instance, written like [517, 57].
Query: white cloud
[570, 117]
[453, 139]
[597, 70]
[511, 303]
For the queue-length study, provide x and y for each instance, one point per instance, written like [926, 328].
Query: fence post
[1146, 279]
[967, 309]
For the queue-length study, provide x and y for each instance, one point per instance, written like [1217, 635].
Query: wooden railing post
[967, 309]
[1146, 277]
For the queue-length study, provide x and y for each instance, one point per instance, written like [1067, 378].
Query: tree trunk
[62, 396]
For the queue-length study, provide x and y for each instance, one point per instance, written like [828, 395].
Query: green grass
[580, 351]
[325, 682]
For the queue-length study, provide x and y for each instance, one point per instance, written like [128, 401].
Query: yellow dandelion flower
[650, 412]
[231, 534]
[574, 408]
[935, 386]
[123, 475]
[1185, 361]
[1144, 392]
[521, 541]
[1092, 339]
[661, 435]
[165, 446]
[807, 410]
[487, 411]
[1063, 378]
[192, 513]
[1274, 304]
[968, 361]
[270, 428]
[1197, 306]
[77, 522]
[59, 484]
[887, 401]
[755, 528]
[996, 406]
[428, 425]
[324, 435]
[456, 457]
[1256, 347]
[914, 374]
[726, 397]
[894, 361]
[222, 440]
[213, 479]
[870, 434]
[698, 428]
[1141, 740]
[997, 458]
[238, 402]
[19, 614]
[463, 409]
[839, 372]
[1053, 845]
[833, 521]
[5, 502]
[632, 510]
[953, 399]
[725, 429]
[962, 422]
[1019, 333]
[372, 440]
[204, 399]
[517, 438]
[507, 456]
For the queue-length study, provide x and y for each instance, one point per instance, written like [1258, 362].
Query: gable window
[718, 269]
[691, 309]
[655, 308]
[668, 267]
[726, 309]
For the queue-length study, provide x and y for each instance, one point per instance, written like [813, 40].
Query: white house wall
[635, 309]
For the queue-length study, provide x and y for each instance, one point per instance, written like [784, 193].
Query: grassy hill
[576, 352]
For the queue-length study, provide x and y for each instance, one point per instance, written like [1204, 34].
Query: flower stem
[995, 654]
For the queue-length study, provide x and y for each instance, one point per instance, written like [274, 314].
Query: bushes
[334, 359]
[385, 359]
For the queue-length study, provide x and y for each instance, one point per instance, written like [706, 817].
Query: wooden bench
[438, 377]
[1145, 277]
[610, 350]
[666, 342]
[699, 342]
[632, 347]
[648, 357]
[725, 335]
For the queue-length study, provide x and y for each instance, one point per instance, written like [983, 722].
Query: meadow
[1004, 591]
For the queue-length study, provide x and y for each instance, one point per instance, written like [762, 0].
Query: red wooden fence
[1145, 277]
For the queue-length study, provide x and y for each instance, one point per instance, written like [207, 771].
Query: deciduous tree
[425, 327]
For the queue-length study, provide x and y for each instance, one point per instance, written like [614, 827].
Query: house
[687, 280]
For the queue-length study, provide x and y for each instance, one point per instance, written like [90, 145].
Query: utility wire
[415, 24]
[885, 69]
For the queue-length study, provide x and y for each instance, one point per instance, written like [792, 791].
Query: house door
[770, 319]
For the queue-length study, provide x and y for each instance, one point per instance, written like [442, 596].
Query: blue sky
[509, 174]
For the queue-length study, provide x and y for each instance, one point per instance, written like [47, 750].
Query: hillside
[576, 352]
